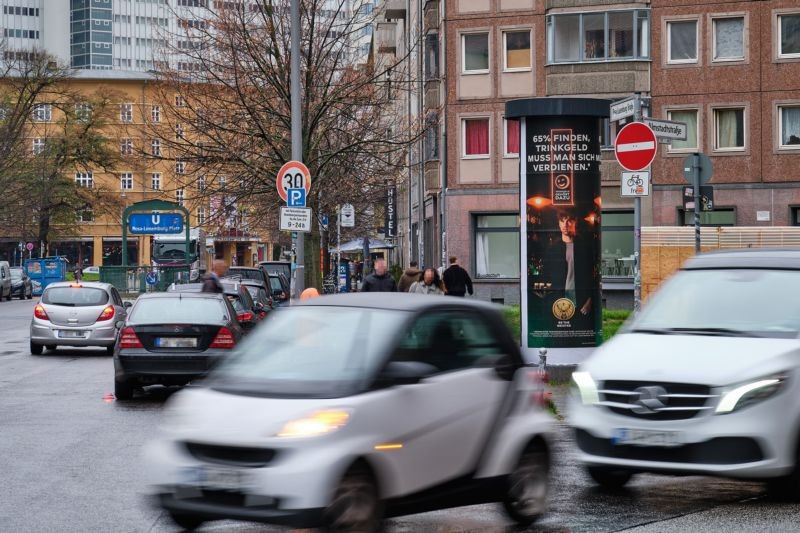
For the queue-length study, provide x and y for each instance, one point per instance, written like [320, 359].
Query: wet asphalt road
[70, 461]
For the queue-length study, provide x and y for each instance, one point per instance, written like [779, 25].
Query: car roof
[243, 268]
[178, 294]
[396, 300]
[767, 258]
[90, 284]
[227, 286]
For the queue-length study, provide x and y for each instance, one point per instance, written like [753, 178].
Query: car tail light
[129, 339]
[40, 313]
[107, 313]
[224, 339]
[245, 317]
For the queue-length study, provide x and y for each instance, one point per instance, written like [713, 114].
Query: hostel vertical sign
[560, 231]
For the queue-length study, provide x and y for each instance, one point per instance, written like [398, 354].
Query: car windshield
[258, 293]
[75, 296]
[735, 302]
[309, 352]
[275, 283]
[237, 304]
[178, 310]
[244, 273]
[16, 273]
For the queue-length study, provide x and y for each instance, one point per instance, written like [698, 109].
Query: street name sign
[296, 219]
[155, 223]
[635, 146]
[635, 184]
[348, 216]
[667, 130]
[292, 175]
[622, 109]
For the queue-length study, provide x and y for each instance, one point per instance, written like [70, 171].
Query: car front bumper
[19, 290]
[46, 333]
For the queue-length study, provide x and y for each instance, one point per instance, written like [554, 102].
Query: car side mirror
[405, 372]
[120, 324]
[127, 305]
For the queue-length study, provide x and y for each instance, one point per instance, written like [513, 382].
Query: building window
[682, 41]
[155, 148]
[155, 113]
[728, 39]
[725, 216]
[38, 146]
[201, 183]
[85, 215]
[789, 126]
[180, 196]
[511, 138]
[789, 35]
[126, 181]
[126, 112]
[617, 231]
[517, 53]
[475, 137]
[83, 112]
[180, 101]
[126, 146]
[729, 129]
[598, 36]
[497, 246]
[689, 117]
[84, 179]
[432, 56]
[178, 131]
[201, 216]
[42, 113]
[431, 141]
[475, 50]
[155, 181]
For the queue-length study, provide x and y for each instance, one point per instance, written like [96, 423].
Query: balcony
[433, 182]
[431, 15]
[432, 95]
[386, 37]
[395, 9]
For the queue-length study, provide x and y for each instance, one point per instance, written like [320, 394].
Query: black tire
[30, 294]
[10, 296]
[187, 521]
[526, 496]
[123, 391]
[787, 488]
[356, 506]
[36, 349]
[110, 350]
[609, 478]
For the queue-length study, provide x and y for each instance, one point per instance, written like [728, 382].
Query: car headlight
[746, 394]
[316, 424]
[585, 388]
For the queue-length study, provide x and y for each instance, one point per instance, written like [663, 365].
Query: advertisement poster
[562, 223]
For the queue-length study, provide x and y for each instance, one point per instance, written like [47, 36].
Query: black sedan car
[21, 285]
[260, 295]
[171, 339]
[279, 285]
[248, 312]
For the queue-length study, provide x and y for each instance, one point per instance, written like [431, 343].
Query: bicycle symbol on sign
[635, 180]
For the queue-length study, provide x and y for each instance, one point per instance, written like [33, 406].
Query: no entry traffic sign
[293, 175]
[635, 146]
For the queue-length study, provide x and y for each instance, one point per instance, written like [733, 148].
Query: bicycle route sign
[635, 184]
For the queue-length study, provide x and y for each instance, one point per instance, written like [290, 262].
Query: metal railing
[136, 279]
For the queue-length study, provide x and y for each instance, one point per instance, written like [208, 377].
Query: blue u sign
[155, 223]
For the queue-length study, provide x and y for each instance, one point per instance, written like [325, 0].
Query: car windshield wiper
[723, 332]
[652, 331]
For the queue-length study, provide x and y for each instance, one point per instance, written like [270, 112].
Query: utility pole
[637, 225]
[338, 244]
[696, 191]
[298, 277]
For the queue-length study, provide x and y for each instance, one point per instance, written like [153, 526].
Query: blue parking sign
[296, 197]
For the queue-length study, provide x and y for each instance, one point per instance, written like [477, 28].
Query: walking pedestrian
[409, 277]
[380, 280]
[78, 273]
[429, 283]
[456, 280]
[211, 281]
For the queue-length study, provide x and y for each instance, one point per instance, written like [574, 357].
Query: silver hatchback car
[77, 314]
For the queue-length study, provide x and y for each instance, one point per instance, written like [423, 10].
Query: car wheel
[30, 294]
[123, 391]
[786, 488]
[187, 521]
[609, 478]
[37, 349]
[110, 350]
[526, 496]
[356, 505]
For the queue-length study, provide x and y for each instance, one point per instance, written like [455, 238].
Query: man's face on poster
[567, 225]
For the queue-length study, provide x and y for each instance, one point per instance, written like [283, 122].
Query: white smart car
[706, 380]
[345, 409]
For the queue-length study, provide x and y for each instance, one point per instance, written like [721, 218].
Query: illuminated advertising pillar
[561, 306]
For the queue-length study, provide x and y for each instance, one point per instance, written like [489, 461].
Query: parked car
[364, 406]
[247, 312]
[5, 280]
[243, 273]
[21, 284]
[77, 314]
[260, 295]
[277, 267]
[704, 380]
[279, 285]
[91, 270]
[172, 339]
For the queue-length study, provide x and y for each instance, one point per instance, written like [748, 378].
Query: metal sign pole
[696, 191]
[637, 226]
[297, 135]
[338, 244]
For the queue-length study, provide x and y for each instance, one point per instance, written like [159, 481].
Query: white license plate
[176, 342]
[646, 437]
[217, 478]
[71, 334]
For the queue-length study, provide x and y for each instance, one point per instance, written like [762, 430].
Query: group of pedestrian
[454, 281]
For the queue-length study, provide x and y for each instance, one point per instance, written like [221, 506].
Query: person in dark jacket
[211, 282]
[380, 280]
[410, 276]
[456, 280]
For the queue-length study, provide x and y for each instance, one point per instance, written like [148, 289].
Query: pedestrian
[380, 280]
[309, 293]
[211, 281]
[456, 280]
[429, 283]
[78, 273]
[409, 277]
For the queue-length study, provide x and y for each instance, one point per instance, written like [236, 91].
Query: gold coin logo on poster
[563, 309]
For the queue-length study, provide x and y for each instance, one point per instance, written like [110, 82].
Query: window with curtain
[682, 38]
[620, 35]
[594, 37]
[729, 38]
[790, 126]
[689, 117]
[617, 231]
[598, 36]
[497, 246]
[518, 50]
[789, 35]
[565, 38]
[476, 137]
[512, 136]
[729, 129]
[476, 52]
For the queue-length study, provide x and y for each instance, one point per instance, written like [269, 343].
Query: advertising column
[560, 210]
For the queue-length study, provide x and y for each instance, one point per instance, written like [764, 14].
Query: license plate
[646, 437]
[216, 478]
[176, 342]
[71, 334]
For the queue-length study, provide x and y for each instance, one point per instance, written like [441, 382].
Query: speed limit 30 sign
[293, 175]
